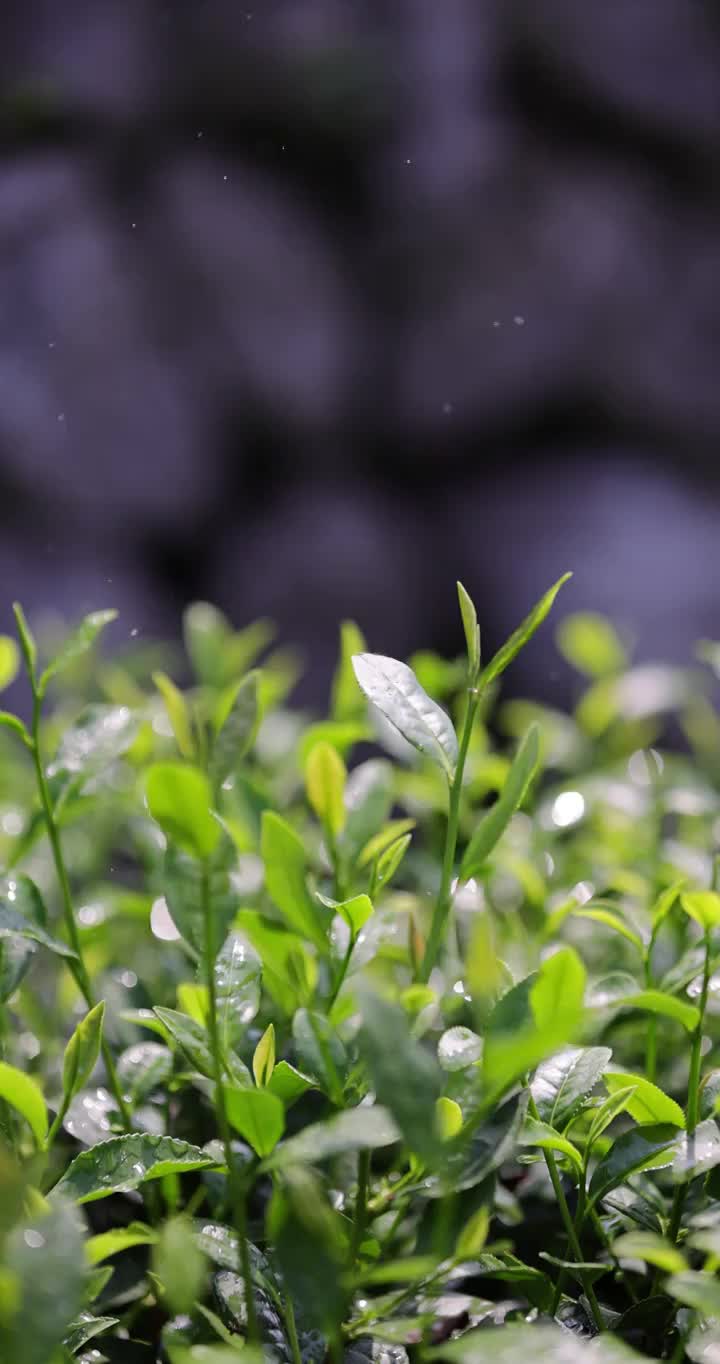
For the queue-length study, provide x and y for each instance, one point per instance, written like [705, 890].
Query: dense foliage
[379, 1037]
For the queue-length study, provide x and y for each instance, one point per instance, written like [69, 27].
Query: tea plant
[384, 1037]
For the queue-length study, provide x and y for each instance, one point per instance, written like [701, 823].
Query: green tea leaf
[591, 644]
[289, 971]
[9, 661]
[82, 1051]
[179, 1264]
[697, 1290]
[45, 1261]
[85, 1328]
[99, 736]
[607, 1112]
[77, 643]
[395, 690]
[559, 988]
[648, 1103]
[664, 904]
[543, 1343]
[183, 878]
[26, 637]
[142, 1068]
[284, 858]
[236, 724]
[191, 1037]
[600, 915]
[389, 861]
[263, 1062]
[653, 1249]
[561, 1084]
[520, 637]
[355, 912]
[24, 1094]
[642, 1148]
[541, 1134]
[109, 1243]
[654, 1002]
[237, 988]
[8, 721]
[357, 1129]
[325, 778]
[384, 839]
[448, 1118]
[697, 1152]
[124, 1163]
[472, 631]
[14, 924]
[703, 906]
[180, 800]
[495, 822]
[405, 1078]
[178, 713]
[288, 1083]
[473, 1236]
[368, 799]
[320, 1051]
[346, 700]
[258, 1115]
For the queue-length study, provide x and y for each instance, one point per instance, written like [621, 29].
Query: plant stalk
[77, 967]
[360, 1215]
[693, 1099]
[236, 1185]
[444, 899]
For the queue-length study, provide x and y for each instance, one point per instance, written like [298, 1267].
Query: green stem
[693, 1099]
[77, 967]
[236, 1185]
[342, 972]
[606, 1242]
[360, 1216]
[570, 1229]
[288, 1312]
[444, 899]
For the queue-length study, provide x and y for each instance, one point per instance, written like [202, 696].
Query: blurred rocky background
[311, 306]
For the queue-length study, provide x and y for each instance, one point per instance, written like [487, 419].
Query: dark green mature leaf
[311, 1246]
[541, 1343]
[520, 637]
[14, 924]
[284, 858]
[124, 1163]
[237, 988]
[236, 724]
[144, 1067]
[320, 1051]
[77, 643]
[47, 1262]
[561, 1084]
[180, 801]
[406, 1079]
[643, 1148]
[191, 1038]
[697, 1152]
[395, 690]
[495, 822]
[85, 1328]
[357, 1129]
